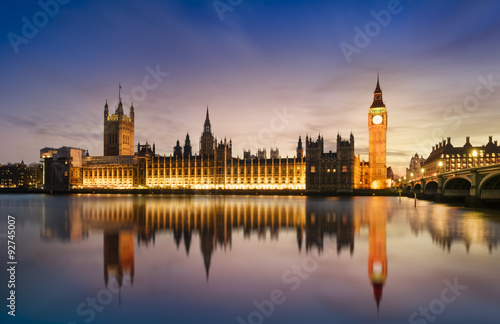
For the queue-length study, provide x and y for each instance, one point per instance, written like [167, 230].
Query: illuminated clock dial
[377, 119]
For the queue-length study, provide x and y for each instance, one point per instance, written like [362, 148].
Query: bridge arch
[489, 188]
[417, 188]
[430, 188]
[457, 187]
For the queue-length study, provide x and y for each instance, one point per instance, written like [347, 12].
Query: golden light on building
[123, 167]
[445, 157]
[377, 143]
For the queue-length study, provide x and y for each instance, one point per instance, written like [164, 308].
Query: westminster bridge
[479, 183]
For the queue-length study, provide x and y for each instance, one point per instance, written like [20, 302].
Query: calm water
[215, 259]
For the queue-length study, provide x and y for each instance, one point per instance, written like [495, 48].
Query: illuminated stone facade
[194, 172]
[377, 130]
[332, 171]
[213, 168]
[414, 170]
[445, 157]
[118, 131]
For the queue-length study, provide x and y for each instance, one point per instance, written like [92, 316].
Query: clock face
[377, 119]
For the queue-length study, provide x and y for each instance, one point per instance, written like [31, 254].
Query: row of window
[234, 181]
[113, 139]
[240, 169]
[480, 154]
[481, 160]
[108, 173]
[173, 172]
[87, 181]
[328, 170]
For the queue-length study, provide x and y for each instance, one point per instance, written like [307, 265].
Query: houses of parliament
[214, 167]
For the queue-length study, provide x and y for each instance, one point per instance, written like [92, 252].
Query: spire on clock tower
[377, 129]
[377, 95]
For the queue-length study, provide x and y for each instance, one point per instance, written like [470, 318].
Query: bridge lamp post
[422, 172]
[474, 155]
[411, 175]
[440, 166]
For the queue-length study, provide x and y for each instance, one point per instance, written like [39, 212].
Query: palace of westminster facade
[215, 167]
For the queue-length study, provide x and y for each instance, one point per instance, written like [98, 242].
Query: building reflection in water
[214, 219]
[65, 225]
[321, 220]
[119, 256]
[377, 258]
[448, 228]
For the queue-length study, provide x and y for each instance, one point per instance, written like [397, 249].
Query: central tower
[377, 129]
[207, 141]
[118, 130]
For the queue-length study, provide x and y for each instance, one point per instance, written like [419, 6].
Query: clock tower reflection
[377, 258]
[211, 225]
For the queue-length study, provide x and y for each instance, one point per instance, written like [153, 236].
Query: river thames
[249, 259]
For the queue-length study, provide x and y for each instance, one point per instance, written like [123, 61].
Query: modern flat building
[62, 167]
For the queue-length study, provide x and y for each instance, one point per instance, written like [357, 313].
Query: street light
[440, 166]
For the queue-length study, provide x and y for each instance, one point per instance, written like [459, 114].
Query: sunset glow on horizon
[269, 72]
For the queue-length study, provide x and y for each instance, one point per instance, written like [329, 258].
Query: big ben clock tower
[377, 129]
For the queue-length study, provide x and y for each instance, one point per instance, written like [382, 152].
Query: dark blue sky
[265, 59]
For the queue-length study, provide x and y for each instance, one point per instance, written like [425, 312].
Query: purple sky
[265, 58]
